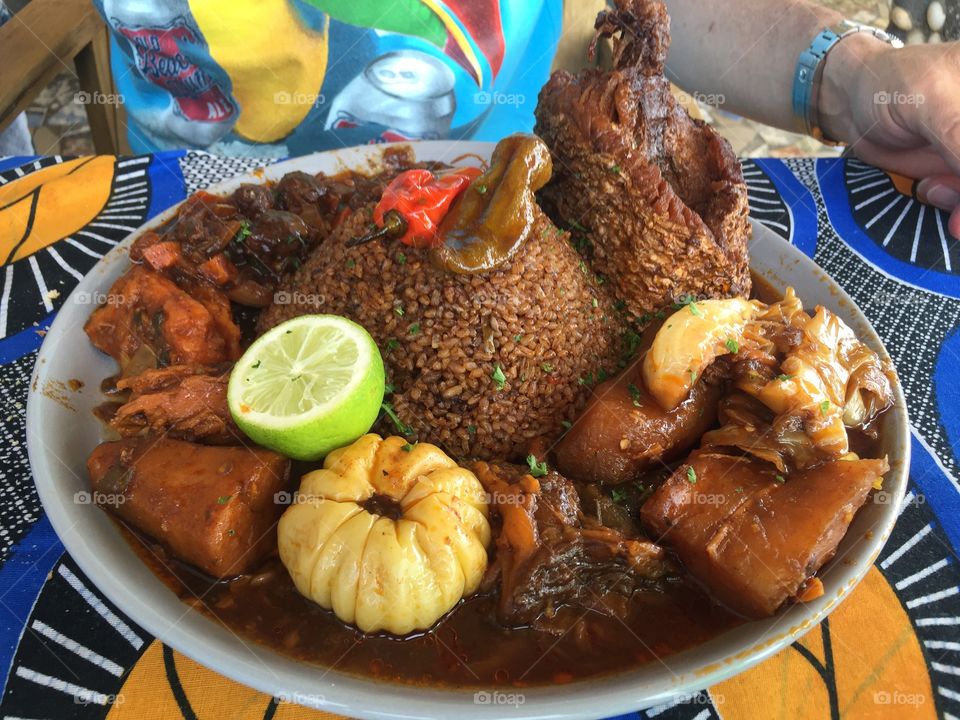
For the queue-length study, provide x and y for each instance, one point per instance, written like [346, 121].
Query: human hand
[899, 110]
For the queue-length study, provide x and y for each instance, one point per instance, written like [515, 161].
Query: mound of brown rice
[481, 364]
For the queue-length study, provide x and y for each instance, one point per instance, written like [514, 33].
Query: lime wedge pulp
[308, 386]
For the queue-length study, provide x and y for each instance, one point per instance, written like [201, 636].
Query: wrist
[845, 84]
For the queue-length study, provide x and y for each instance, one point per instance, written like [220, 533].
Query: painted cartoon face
[410, 74]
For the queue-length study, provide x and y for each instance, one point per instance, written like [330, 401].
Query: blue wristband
[809, 66]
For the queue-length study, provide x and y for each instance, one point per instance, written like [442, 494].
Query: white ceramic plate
[61, 434]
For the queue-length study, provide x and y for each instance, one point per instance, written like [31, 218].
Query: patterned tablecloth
[891, 650]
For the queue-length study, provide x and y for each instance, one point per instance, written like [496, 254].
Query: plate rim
[365, 697]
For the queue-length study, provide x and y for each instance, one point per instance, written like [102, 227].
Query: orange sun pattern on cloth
[888, 651]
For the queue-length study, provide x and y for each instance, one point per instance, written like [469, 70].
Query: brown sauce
[466, 648]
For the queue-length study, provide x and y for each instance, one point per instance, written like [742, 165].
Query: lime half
[308, 386]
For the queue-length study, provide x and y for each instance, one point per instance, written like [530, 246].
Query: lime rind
[308, 385]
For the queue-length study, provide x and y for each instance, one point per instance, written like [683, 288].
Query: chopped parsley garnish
[401, 258]
[618, 495]
[407, 448]
[498, 377]
[481, 188]
[634, 394]
[691, 475]
[223, 499]
[546, 367]
[388, 388]
[566, 424]
[693, 376]
[577, 226]
[244, 232]
[472, 429]
[780, 479]
[392, 344]
[537, 469]
[255, 365]
[694, 309]
[517, 338]
[401, 426]
[824, 407]
[231, 532]
[594, 302]
[414, 328]
[398, 310]
[583, 267]
[784, 378]
[732, 346]
[614, 168]
[351, 263]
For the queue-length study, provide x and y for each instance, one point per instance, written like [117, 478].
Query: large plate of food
[414, 430]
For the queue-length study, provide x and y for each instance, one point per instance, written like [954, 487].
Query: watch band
[810, 65]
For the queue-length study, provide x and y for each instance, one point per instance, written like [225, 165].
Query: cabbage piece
[751, 427]
[690, 340]
[829, 381]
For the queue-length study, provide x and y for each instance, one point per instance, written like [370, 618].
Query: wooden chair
[47, 37]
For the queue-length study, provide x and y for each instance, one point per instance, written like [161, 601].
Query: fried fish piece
[661, 195]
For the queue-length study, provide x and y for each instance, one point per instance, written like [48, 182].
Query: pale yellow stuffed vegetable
[388, 535]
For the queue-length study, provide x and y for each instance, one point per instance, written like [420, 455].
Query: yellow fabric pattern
[877, 668]
[49, 204]
[276, 65]
[147, 694]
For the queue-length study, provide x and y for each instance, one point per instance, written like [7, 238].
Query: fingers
[940, 191]
[954, 224]
[943, 192]
[916, 163]
[945, 138]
